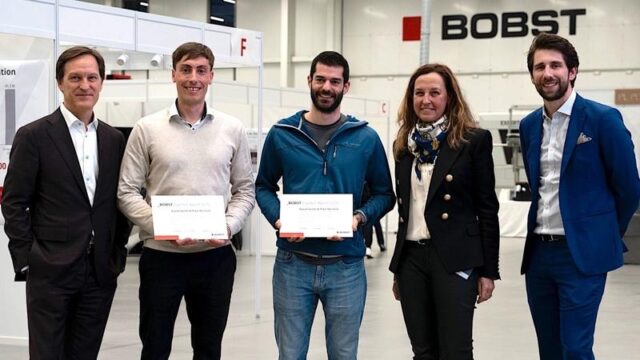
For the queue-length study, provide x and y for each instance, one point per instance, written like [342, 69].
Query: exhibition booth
[137, 49]
[34, 32]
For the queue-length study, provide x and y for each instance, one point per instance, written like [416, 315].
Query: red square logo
[411, 28]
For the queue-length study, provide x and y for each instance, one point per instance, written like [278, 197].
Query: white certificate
[316, 215]
[188, 216]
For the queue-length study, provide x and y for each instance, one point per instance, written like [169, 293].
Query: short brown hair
[75, 52]
[333, 59]
[192, 50]
[546, 41]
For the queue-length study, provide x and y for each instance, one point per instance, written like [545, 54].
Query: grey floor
[503, 329]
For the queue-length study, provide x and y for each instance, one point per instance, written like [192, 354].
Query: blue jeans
[297, 287]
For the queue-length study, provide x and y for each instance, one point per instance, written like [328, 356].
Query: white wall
[492, 72]
[262, 16]
[313, 30]
[372, 37]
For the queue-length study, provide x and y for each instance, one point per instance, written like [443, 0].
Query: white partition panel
[219, 42]
[221, 92]
[122, 102]
[295, 99]
[123, 113]
[29, 18]
[125, 89]
[354, 106]
[269, 96]
[160, 34]
[13, 308]
[84, 23]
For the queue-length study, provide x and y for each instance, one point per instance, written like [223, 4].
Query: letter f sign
[243, 46]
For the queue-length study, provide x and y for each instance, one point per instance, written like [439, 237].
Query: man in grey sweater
[186, 149]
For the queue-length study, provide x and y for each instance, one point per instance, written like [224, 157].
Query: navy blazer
[48, 216]
[599, 185]
[462, 208]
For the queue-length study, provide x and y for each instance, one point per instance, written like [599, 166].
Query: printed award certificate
[188, 216]
[316, 215]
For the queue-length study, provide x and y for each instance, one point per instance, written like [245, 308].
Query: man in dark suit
[66, 236]
[582, 171]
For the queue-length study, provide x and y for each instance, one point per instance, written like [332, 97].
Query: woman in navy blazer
[446, 255]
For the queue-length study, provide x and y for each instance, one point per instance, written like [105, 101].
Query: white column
[425, 32]
[334, 25]
[287, 41]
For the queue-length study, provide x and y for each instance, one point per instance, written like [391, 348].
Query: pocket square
[583, 138]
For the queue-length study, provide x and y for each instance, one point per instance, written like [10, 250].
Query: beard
[326, 109]
[563, 85]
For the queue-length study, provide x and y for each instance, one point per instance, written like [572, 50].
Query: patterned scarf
[424, 142]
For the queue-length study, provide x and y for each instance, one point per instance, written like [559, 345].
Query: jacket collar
[60, 136]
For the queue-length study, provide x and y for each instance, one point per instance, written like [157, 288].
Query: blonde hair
[457, 110]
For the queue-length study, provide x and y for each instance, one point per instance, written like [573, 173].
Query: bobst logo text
[510, 24]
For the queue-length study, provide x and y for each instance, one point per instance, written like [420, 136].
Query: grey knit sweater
[167, 157]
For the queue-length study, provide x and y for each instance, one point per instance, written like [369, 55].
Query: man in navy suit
[582, 171]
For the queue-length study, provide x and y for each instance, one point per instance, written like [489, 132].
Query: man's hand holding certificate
[316, 215]
[187, 218]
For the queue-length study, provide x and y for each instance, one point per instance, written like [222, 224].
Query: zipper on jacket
[324, 153]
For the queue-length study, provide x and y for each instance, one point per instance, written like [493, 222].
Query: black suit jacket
[48, 217]
[462, 206]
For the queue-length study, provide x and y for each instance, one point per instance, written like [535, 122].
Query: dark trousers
[204, 279]
[563, 303]
[437, 306]
[368, 234]
[67, 319]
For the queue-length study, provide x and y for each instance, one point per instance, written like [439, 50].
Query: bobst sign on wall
[508, 24]
[493, 36]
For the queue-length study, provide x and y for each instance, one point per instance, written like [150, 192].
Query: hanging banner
[24, 95]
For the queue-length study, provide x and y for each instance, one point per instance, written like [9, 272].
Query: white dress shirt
[85, 141]
[554, 133]
[417, 226]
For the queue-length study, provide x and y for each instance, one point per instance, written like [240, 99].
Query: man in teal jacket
[322, 151]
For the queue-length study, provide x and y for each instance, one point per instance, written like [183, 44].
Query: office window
[222, 12]
[137, 5]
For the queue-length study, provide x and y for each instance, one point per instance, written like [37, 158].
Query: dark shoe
[383, 247]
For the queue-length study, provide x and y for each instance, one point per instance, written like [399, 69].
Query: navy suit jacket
[599, 185]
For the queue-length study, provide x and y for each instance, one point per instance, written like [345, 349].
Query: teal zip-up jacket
[353, 155]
